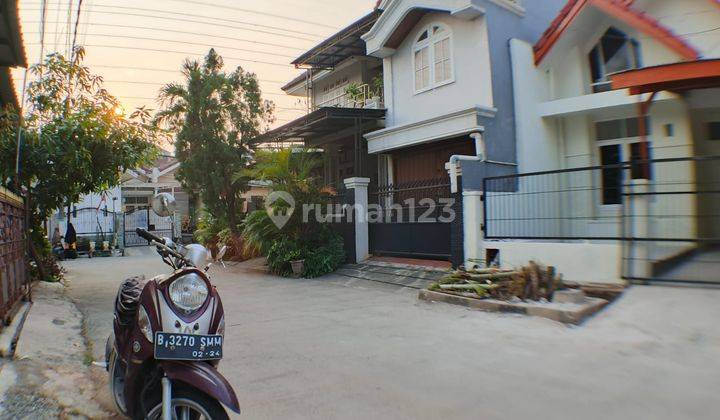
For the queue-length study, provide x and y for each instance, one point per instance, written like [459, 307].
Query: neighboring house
[116, 213]
[610, 85]
[446, 84]
[140, 185]
[254, 197]
[336, 119]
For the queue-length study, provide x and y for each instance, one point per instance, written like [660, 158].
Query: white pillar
[388, 90]
[639, 260]
[360, 218]
[473, 242]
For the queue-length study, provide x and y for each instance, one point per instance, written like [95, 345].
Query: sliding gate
[412, 220]
[145, 218]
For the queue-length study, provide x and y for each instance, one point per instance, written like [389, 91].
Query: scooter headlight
[188, 292]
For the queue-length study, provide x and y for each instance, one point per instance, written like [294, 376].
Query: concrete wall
[580, 262]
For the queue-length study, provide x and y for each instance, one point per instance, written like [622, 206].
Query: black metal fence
[673, 223]
[666, 213]
[340, 204]
[571, 204]
[412, 202]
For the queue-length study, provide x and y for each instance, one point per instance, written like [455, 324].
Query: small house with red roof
[617, 112]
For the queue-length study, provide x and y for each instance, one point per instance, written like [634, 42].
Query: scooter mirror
[164, 204]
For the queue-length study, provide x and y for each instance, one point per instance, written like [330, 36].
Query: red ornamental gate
[13, 270]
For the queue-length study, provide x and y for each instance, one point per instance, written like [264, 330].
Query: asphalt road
[338, 349]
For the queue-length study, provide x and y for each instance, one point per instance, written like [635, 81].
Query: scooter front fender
[203, 377]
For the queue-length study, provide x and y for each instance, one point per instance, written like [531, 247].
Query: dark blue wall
[500, 137]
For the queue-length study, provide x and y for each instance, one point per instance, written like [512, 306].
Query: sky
[137, 46]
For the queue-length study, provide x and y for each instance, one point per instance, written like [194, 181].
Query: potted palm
[376, 91]
[355, 94]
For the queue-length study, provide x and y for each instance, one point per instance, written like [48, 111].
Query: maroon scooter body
[143, 371]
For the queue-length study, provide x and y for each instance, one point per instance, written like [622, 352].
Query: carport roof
[324, 121]
[344, 44]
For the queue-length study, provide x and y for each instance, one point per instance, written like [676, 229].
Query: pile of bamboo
[532, 282]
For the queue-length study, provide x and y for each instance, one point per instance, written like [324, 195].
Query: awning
[338, 47]
[676, 77]
[12, 51]
[322, 122]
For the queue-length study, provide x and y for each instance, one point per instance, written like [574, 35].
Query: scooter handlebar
[149, 236]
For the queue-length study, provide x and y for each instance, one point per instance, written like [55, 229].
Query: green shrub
[322, 256]
[326, 258]
[208, 228]
[259, 232]
[280, 254]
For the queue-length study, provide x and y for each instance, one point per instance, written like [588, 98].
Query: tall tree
[74, 140]
[215, 116]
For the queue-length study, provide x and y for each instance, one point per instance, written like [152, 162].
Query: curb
[11, 333]
[571, 314]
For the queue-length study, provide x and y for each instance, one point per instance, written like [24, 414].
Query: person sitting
[57, 246]
[71, 241]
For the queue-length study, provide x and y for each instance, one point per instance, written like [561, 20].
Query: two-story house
[343, 89]
[450, 102]
[614, 105]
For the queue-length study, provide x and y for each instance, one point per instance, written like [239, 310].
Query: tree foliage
[74, 140]
[215, 116]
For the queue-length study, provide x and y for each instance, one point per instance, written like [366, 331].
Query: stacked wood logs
[532, 282]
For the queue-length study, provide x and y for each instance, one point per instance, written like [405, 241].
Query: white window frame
[429, 43]
[625, 144]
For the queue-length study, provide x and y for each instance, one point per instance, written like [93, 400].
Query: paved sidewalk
[49, 376]
[340, 348]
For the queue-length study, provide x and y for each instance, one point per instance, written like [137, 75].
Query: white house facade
[449, 98]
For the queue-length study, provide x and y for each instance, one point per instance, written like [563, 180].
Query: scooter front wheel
[116, 369]
[190, 404]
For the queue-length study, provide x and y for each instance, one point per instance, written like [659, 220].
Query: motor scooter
[168, 335]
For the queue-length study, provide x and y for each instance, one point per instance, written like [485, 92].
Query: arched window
[432, 54]
[615, 52]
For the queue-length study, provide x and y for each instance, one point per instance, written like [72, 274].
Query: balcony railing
[365, 97]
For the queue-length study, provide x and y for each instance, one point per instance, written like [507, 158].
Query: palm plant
[294, 172]
[215, 117]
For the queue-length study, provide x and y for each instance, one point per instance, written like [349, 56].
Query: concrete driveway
[336, 348]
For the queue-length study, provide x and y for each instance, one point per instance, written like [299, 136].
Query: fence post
[472, 228]
[457, 241]
[639, 261]
[360, 216]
